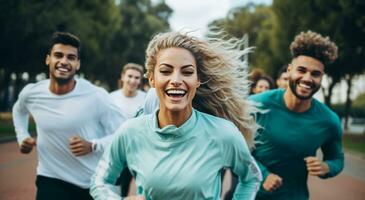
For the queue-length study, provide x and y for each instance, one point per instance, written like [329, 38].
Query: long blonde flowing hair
[222, 72]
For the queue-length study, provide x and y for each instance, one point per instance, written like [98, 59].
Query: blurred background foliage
[272, 28]
[112, 34]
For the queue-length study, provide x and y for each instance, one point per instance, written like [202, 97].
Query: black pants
[55, 189]
[124, 181]
[234, 182]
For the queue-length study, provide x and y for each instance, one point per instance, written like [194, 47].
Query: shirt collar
[171, 131]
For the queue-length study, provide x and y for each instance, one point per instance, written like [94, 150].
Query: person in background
[74, 121]
[146, 85]
[282, 79]
[294, 125]
[262, 84]
[129, 98]
[202, 126]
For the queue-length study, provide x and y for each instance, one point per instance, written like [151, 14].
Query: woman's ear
[151, 80]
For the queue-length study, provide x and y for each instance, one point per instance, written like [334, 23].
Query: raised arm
[271, 181]
[21, 120]
[111, 118]
[332, 153]
[334, 158]
[108, 170]
[244, 166]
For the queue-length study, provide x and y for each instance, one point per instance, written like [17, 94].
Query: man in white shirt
[129, 98]
[75, 121]
[151, 103]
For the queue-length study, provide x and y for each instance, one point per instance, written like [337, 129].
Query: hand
[316, 167]
[79, 146]
[27, 145]
[134, 198]
[272, 182]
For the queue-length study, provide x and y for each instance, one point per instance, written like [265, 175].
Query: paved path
[349, 185]
[17, 173]
[17, 176]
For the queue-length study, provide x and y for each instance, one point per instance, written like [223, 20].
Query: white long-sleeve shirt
[151, 102]
[128, 105]
[87, 111]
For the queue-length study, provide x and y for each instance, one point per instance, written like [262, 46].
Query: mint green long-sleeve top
[286, 138]
[177, 162]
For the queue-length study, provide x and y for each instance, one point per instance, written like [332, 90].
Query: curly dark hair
[314, 45]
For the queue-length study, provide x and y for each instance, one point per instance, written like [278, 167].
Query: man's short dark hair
[314, 45]
[66, 39]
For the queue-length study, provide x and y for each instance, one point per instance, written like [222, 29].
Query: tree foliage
[111, 35]
[272, 28]
[140, 20]
[359, 102]
[29, 24]
[258, 21]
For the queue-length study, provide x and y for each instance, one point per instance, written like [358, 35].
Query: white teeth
[182, 92]
[304, 86]
[62, 69]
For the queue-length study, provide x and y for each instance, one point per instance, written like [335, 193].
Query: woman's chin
[177, 108]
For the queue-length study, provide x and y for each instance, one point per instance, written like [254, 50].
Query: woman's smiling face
[176, 79]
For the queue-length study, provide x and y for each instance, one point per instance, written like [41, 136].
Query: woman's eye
[188, 72]
[164, 71]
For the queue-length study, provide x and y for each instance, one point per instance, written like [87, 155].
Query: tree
[140, 20]
[110, 36]
[258, 22]
[359, 102]
[29, 24]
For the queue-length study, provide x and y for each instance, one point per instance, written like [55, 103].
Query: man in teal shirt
[294, 125]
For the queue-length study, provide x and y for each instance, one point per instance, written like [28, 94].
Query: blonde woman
[178, 152]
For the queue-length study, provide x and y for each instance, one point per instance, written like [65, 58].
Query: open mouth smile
[306, 86]
[176, 93]
[63, 69]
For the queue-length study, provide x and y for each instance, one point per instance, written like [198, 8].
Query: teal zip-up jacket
[286, 138]
[177, 162]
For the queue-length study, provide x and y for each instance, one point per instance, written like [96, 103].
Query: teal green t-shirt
[286, 138]
[177, 162]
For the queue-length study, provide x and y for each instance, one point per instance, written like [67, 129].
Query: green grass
[354, 143]
[7, 128]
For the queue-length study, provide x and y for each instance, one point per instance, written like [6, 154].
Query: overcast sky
[197, 14]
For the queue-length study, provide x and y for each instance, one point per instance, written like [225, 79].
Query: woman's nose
[176, 79]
